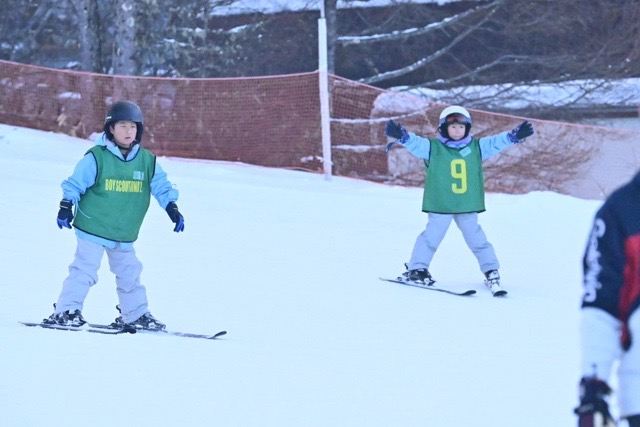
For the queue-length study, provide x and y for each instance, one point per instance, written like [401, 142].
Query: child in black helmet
[111, 188]
[454, 189]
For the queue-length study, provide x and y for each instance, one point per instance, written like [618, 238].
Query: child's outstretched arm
[492, 145]
[417, 145]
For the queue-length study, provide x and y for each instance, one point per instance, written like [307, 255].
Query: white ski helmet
[454, 114]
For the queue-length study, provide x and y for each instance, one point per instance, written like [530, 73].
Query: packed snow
[576, 93]
[279, 6]
[288, 263]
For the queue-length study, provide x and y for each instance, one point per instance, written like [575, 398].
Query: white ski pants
[629, 372]
[83, 273]
[600, 346]
[428, 241]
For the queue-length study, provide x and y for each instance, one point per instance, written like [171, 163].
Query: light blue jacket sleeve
[83, 177]
[489, 145]
[161, 188]
[492, 145]
[418, 146]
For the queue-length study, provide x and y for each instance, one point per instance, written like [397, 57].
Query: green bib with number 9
[454, 181]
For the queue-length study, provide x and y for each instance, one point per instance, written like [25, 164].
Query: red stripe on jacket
[630, 291]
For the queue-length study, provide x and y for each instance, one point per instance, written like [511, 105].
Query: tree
[438, 45]
[90, 34]
[22, 24]
[478, 16]
[514, 43]
[124, 47]
[331, 12]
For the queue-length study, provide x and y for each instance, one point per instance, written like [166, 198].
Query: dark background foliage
[460, 43]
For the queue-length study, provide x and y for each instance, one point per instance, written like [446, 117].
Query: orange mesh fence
[275, 121]
[354, 152]
[272, 121]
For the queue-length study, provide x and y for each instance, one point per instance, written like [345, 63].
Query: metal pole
[323, 79]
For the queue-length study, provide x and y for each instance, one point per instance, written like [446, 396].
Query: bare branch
[412, 32]
[505, 59]
[424, 61]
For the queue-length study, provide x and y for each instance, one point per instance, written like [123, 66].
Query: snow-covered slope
[289, 263]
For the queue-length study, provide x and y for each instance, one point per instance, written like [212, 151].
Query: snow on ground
[279, 6]
[574, 93]
[288, 263]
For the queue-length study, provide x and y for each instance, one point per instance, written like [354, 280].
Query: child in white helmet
[454, 189]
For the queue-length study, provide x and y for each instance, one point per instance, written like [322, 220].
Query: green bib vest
[454, 182]
[114, 207]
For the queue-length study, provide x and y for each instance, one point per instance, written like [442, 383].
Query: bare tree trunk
[330, 9]
[32, 29]
[125, 41]
[90, 37]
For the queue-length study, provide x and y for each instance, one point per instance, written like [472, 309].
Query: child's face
[124, 132]
[456, 131]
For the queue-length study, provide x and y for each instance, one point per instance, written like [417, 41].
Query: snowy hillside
[289, 263]
[278, 6]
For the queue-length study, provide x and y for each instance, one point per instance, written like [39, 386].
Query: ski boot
[420, 276]
[146, 321]
[66, 318]
[492, 282]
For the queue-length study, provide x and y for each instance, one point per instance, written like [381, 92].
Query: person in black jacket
[610, 319]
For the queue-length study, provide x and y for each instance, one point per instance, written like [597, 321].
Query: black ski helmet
[454, 114]
[124, 110]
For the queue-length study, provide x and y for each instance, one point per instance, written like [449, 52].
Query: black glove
[394, 130]
[65, 214]
[176, 217]
[593, 405]
[522, 131]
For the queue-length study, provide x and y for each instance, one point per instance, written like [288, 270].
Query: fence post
[323, 83]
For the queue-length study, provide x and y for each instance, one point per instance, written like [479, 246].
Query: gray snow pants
[428, 241]
[83, 273]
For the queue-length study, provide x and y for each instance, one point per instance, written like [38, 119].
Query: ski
[83, 328]
[96, 328]
[158, 332]
[430, 287]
